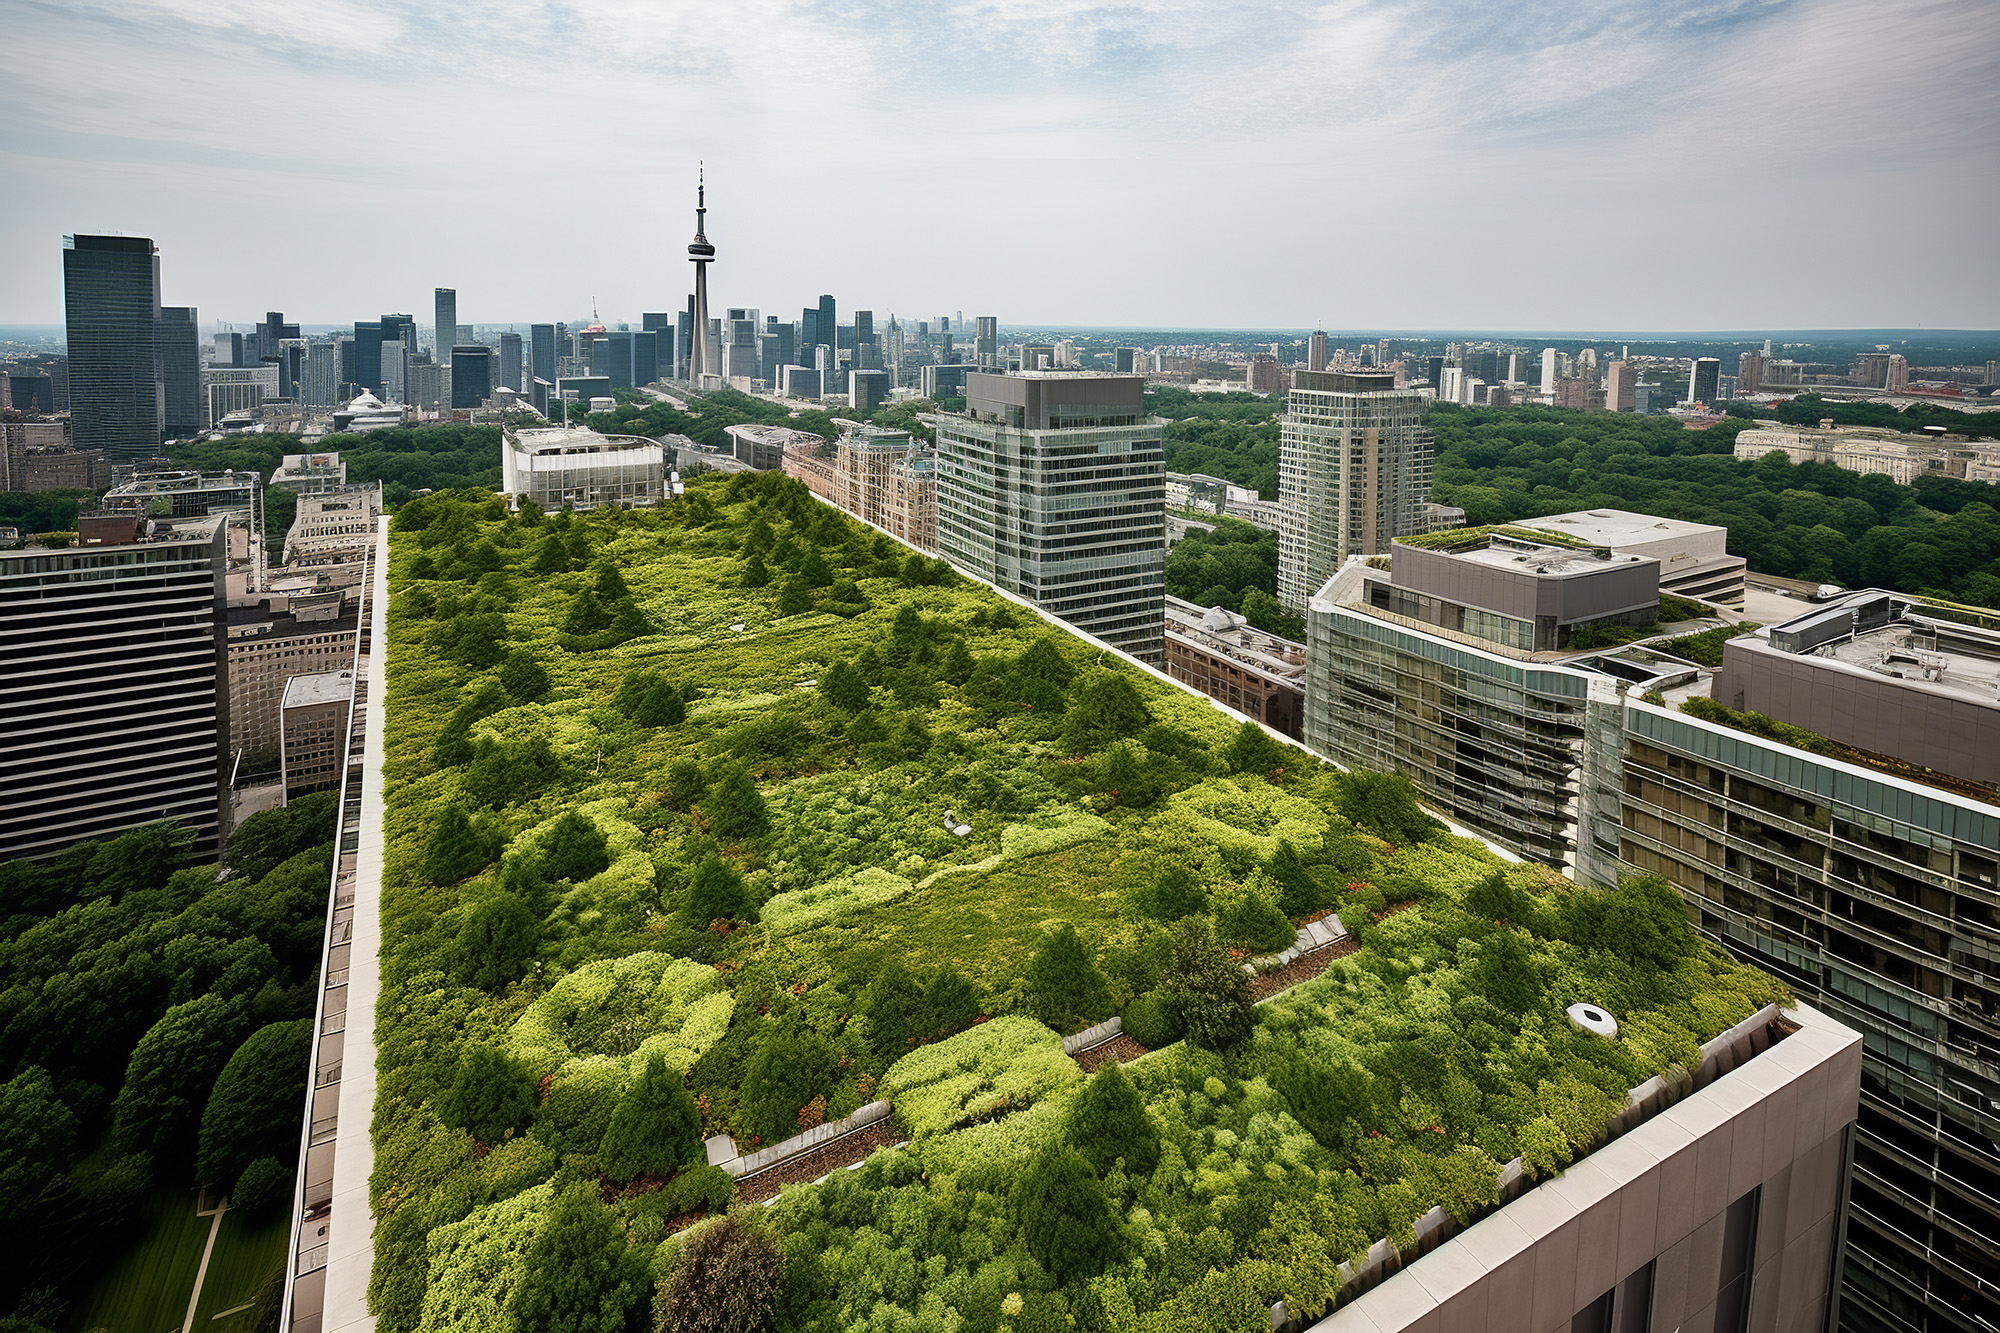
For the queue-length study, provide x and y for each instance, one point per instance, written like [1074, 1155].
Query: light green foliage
[808, 907]
[629, 1008]
[1050, 831]
[476, 1264]
[995, 1068]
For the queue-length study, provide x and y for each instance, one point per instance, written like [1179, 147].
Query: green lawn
[146, 1288]
[248, 1262]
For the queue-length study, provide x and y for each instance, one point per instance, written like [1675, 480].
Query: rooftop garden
[1472, 539]
[732, 817]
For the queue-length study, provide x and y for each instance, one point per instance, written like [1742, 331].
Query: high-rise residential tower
[510, 362]
[1704, 380]
[1620, 379]
[985, 342]
[1316, 350]
[111, 305]
[445, 328]
[701, 254]
[1354, 473]
[1053, 487]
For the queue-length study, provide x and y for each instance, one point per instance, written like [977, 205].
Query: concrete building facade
[1219, 653]
[112, 687]
[556, 466]
[269, 642]
[1051, 486]
[1694, 557]
[313, 731]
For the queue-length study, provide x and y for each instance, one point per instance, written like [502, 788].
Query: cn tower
[701, 254]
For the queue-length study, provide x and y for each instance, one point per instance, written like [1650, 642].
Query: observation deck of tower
[701, 254]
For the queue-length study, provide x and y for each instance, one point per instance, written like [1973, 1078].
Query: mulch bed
[1120, 1048]
[1303, 968]
[827, 1157]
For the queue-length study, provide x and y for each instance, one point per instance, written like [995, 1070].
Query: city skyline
[1520, 170]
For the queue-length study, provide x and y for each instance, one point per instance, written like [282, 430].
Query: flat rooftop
[320, 687]
[540, 440]
[1933, 655]
[1545, 561]
[1617, 527]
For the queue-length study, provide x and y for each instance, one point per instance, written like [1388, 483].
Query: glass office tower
[111, 304]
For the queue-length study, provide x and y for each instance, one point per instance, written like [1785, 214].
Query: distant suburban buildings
[1895, 454]
[1354, 472]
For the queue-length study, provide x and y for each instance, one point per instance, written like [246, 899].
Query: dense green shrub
[789, 1070]
[457, 849]
[1384, 804]
[1252, 923]
[715, 893]
[1064, 988]
[1208, 987]
[1153, 1020]
[580, 1276]
[734, 807]
[993, 1070]
[263, 1190]
[1169, 894]
[1107, 1123]
[496, 943]
[574, 848]
[724, 1279]
[656, 1129]
[158, 1109]
[1254, 750]
[41, 1132]
[1059, 1207]
[491, 1096]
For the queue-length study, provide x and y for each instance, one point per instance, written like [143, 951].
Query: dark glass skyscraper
[510, 361]
[111, 304]
[646, 357]
[368, 354]
[178, 341]
[471, 375]
[542, 351]
[444, 302]
[828, 328]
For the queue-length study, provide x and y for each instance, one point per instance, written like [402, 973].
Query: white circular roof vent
[1593, 1019]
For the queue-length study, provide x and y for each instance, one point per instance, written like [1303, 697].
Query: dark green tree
[1170, 893]
[587, 614]
[795, 598]
[660, 706]
[1063, 1215]
[890, 1005]
[725, 1279]
[788, 1070]
[1507, 973]
[496, 943]
[1384, 804]
[158, 1109]
[1210, 989]
[456, 850]
[841, 685]
[1064, 987]
[39, 1139]
[491, 1096]
[575, 849]
[1299, 894]
[1252, 750]
[609, 584]
[454, 742]
[523, 677]
[253, 1110]
[1105, 710]
[656, 1129]
[1107, 1121]
[950, 1005]
[580, 1277]
[268, 839]
[552, 556]
[755, 574]
[262, 1190]
[734, 807]
[1043, 660]
[684, 785]
[1253, 923]
[715, 893]
[814, 570]
[958, 666]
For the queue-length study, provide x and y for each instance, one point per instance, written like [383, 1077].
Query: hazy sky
[1619, 165]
